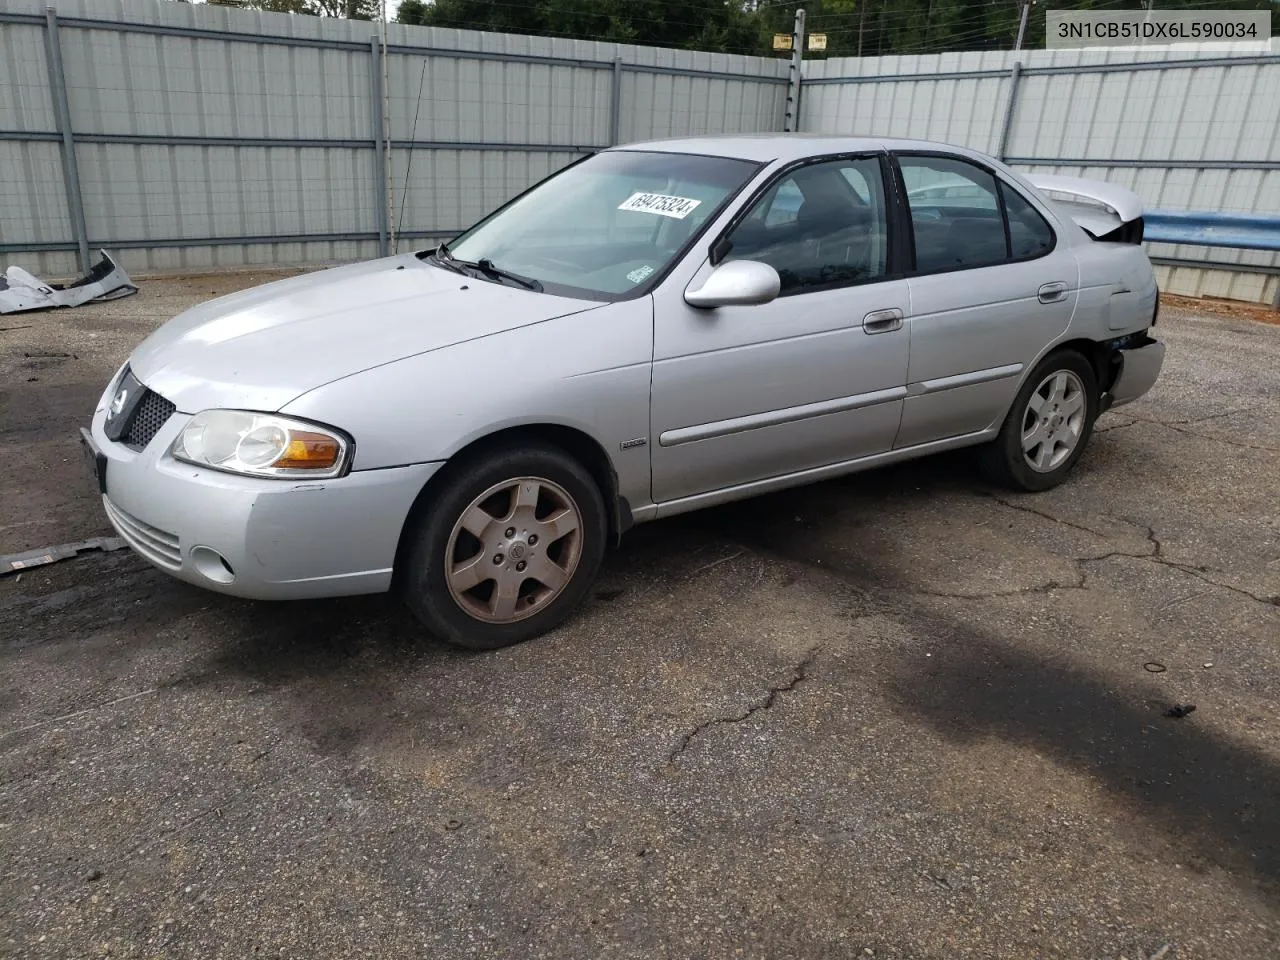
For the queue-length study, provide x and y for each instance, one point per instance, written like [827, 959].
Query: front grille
[159, 546]
[152, 412]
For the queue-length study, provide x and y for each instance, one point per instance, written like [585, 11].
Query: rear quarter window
[1029, 233]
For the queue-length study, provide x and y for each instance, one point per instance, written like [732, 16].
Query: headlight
[109, 393]
[261, 445]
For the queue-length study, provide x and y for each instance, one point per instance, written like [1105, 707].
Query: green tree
[347, 9]
[412, 11]
[721, 25]
[853, 27]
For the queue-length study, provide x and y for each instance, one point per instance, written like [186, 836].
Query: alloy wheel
[514, 549]
[1053, 421]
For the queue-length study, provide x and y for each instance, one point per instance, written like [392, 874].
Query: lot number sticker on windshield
[640, 273]
[661, 204]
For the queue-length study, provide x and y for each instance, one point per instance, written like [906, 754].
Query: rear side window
[1029, 234]
[955, 214]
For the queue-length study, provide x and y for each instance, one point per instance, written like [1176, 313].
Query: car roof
[765, 147]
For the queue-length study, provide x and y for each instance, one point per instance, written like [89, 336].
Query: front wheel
[507, 550]
[1048, 426]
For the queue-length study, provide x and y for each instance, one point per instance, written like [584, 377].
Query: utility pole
[1022, 24]
[386, 128]
[1149, 6]
[791, 121]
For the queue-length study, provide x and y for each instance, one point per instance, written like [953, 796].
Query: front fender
[589, 372]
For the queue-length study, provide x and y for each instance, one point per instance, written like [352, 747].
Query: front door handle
[882, 321]
[1052, 292]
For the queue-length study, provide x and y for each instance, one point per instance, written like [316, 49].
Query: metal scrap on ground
[21, 291]
[15, 562]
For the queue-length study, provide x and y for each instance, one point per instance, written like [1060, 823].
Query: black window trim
[1004, 220]
[905, 249]
[894, 265]
[1001, 182]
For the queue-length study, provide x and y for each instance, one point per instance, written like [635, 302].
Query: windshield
[605, 226]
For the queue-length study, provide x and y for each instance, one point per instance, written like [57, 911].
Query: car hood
[262, 347]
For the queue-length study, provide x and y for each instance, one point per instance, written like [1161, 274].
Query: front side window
[955, 213]
[822, 225]
[603, 227]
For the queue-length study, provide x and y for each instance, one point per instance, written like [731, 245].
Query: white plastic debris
[21, 291]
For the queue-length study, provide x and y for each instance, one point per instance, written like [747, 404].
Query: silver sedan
[656, 328]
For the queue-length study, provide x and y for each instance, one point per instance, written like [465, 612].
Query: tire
[1062, 394]
[474, 554]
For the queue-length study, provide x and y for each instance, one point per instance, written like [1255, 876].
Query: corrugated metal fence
[1185, 129]
[187, 136]
[199, 136]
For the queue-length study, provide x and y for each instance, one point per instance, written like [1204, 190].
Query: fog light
[209, 563]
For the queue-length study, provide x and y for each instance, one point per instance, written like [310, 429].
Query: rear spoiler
[1103, 210]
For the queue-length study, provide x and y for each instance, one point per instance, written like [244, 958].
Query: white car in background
[656, 328]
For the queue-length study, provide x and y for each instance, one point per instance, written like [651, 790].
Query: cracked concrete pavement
[896, 715]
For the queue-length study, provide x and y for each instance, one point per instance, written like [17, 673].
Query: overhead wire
[993, 31]
[892, 18]
[876, 23]
[848, 20]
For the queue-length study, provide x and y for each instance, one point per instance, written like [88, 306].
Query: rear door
[991, 287]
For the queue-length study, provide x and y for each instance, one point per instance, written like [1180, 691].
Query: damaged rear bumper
[1140, 367]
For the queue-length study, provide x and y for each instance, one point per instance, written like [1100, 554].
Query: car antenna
[413, 137]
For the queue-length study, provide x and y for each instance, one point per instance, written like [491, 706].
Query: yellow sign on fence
[817, 41]
[782, 41]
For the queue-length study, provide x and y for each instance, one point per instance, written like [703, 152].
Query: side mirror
[735, 284]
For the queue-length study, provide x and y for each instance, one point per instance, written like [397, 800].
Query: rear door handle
[882, 321]
[1052, 292]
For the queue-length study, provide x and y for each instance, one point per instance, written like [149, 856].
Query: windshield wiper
[486, 266]
[441, 256]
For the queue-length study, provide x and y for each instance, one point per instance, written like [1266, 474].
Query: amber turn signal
[309, 451]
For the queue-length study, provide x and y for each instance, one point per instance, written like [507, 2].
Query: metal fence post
[615, 104]
[1009, 107]
[380, 165]
[62, 111]
[791, 119]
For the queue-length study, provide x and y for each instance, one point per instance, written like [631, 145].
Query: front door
[813, 378]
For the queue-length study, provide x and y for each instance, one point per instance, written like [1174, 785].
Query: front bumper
[1140, 368]
[280, 539]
